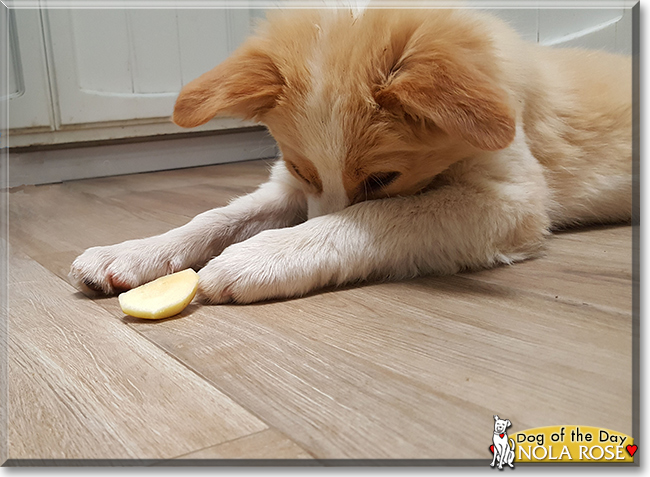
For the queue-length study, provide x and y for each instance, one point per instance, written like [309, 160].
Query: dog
[502, 451]
[412, 142]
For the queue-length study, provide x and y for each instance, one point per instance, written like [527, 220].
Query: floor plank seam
[222, 391]
[229, 441]
[196, 373]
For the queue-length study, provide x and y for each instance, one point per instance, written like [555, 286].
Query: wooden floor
[408, 370]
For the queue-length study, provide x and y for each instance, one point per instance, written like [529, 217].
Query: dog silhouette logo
[502, 447]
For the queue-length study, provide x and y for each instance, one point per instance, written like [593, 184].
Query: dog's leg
[502, 456]
[462, 225]
[277, 203]
[511, 455]
[494, 454]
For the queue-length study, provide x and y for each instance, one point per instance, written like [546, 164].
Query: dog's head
[500, 425]
[362, 107]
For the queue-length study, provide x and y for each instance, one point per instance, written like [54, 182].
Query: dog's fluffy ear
[245, 85]
[496, 418]
[452, 92]
[508, 424]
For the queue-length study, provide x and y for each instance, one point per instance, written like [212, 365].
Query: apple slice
[164, 297]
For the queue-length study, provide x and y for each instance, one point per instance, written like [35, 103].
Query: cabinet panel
[15, 85]
[29, 98]
[156, 54]
[603, 29]
[99, 53]
[124, 64]
[598, 28]
[559, 25]
[203, 41]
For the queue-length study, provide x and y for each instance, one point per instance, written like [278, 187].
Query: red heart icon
[631, 450]
[492, 449]
[501, 435]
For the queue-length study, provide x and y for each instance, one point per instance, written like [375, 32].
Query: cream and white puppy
[413, 142]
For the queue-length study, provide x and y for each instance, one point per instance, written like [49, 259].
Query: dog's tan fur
[415, 141]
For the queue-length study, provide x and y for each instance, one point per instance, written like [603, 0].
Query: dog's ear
[496, 418]
[508, 424]
[453, 92]
[245, 85]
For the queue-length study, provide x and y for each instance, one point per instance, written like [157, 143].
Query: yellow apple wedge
[164, 297]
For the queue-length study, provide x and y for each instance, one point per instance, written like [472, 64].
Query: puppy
[504, 452]
[412, 142]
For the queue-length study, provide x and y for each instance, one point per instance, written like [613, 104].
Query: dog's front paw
[269, 265]
[115, 268]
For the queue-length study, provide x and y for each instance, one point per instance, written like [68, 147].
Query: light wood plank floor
[407, 370]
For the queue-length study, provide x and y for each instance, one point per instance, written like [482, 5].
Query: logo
[559, 444]
[502, 447]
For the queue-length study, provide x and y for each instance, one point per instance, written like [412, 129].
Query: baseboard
[58, 165]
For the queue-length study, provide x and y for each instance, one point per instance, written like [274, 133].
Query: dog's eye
[297, 171]
[374, 182]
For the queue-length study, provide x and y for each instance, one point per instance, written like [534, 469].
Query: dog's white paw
[269, 265]
[115, 268]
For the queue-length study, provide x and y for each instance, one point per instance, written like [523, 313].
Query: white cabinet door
[607, 29]
[129, 64]
[28, 92]
[559, 25]
[598, 28]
